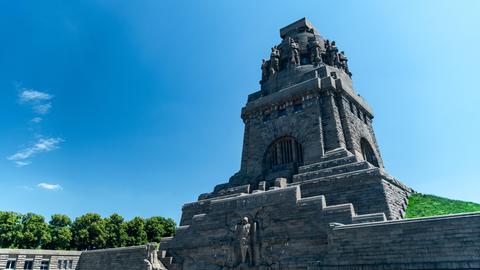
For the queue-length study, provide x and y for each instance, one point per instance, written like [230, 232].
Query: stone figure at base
[152, 262]
[246, 232]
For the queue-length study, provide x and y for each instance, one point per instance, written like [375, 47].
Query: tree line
[89, 231]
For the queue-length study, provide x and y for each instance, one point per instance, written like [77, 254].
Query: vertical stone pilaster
[37, 260]
[246, 145]
[333, 136]
[3, 261]
[53, 263]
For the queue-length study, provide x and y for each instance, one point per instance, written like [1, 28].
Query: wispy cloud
[42, 108]
[41, 104]
[27, 95]
[21, 163]
[36, 119]
[42, 145]
[40, 101]
[50, 186]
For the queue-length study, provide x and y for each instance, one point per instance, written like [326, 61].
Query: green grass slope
[422, 205]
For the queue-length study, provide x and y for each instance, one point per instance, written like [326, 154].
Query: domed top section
[301, 50]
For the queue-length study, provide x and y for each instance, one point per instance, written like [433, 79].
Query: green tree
[89, 232]
[135, 230]
[115, 230]
[158, 227]
[9, 229]
[170, 227]
[61, 234]
[34, 232]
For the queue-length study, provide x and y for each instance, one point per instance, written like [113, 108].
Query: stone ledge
[39, 251]
[413, 220]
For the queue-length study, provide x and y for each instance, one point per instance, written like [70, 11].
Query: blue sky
[134, 106]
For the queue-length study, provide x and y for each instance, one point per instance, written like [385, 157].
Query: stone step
[327, 164]
[375, 217]
[373, 171]
[346, 168]
[336, 153]
[166, 261]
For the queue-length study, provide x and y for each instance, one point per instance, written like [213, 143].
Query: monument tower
[311, 192]
[307, 123]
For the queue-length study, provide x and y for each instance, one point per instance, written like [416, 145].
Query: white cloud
[21, 163]
[50, 186]
[41, 146]
[40, 101]
[42, 108]
[36, 119]
[32, 95]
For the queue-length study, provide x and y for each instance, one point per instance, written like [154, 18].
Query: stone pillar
[20, 261]
[37, 261]
[333, 136]
[3, 261]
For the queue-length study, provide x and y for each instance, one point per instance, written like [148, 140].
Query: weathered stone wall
[324, 123]
[397, 200]
[365, 191]
[263, 125]
[37, 256]
[446, 242]
[129, 258]
[292, 231]
[357, 124]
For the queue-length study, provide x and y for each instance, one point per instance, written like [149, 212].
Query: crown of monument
[301, 50]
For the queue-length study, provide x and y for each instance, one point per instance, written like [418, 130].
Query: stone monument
[312, 192]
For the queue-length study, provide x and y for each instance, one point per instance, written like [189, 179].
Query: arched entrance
[282, 158]
[367, 152]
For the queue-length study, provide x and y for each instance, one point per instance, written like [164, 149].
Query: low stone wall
[129, 258]
[52, 259]
[444, 242]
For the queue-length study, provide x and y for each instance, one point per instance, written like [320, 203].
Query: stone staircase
[336, 162]
[167, 260]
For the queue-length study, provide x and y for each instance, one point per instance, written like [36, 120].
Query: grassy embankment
[422, 205]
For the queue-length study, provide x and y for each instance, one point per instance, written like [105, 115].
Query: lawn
[423, 205]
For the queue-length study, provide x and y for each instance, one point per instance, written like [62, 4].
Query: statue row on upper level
[288, 56]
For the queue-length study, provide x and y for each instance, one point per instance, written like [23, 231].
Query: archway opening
[368, 153]
[283, 157]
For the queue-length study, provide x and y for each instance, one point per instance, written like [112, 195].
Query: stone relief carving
[332, 53]
[315, 51]
[246, 236]
[152, 262]
[264, 70]
[294, 50]
[318, 51]
[274, 61]
[344, 63]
